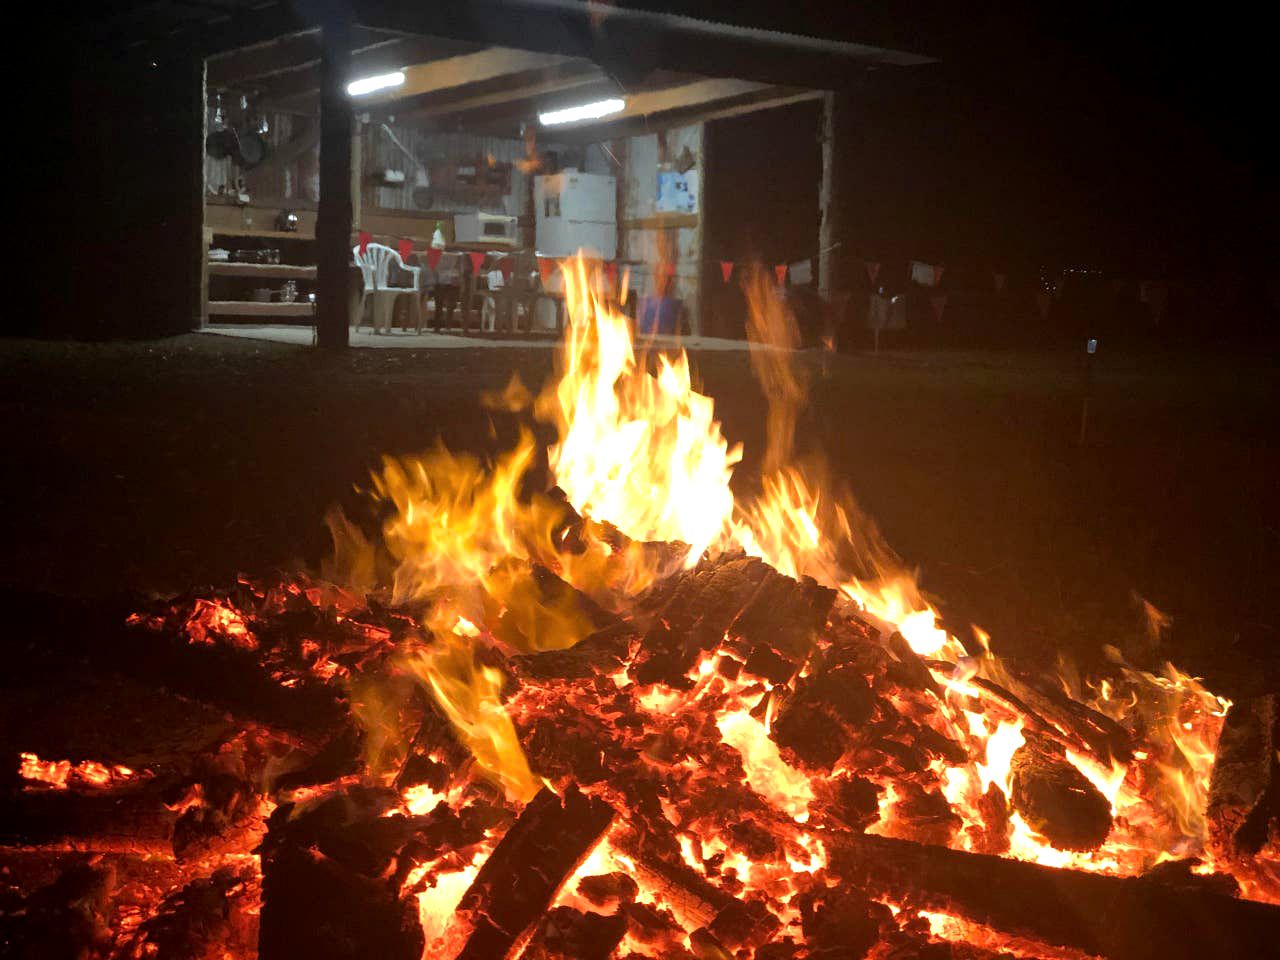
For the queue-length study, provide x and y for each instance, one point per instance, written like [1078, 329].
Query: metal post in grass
[1090, 355]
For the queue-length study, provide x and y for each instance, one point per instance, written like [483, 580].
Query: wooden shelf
[261, 232]
[251, 308]
[275, 271]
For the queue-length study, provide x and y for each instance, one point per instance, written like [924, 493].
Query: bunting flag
[433, 257]
[925, 274]
[405, 248]
[801, 273]
[669, 269]
[546, 267]
[365, 238]
[1001, 279]
[939, 303]
[611, 273]
[726, 269]
[477, 261]
[873, 270]
[507, 265]
[937, 274]
[780, 271]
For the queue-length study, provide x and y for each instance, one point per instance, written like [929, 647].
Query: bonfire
[579, 701]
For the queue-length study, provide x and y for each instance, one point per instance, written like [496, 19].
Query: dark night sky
[1126, 137]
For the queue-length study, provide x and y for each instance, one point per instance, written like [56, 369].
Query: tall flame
[640, 448]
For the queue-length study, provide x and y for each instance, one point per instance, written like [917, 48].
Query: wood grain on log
[1244, 790]
[526, 870]
[1122, 918]
[1056, 799]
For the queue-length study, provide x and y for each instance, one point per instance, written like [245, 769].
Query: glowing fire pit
[630, 717]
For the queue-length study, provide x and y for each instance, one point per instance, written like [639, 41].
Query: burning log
[127, 821]
[209, 918]
[65, 920]
[1122, 918]
[569, 934]
[1244, 791]
[325, 892]
[741, 597]
[526, 870]
[1057, 801]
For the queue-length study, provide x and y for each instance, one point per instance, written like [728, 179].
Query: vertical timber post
[200, 250]
[333, 220]
[832, 243]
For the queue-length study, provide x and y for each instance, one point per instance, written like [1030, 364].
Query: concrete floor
[298, 335]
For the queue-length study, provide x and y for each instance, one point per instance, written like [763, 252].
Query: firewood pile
[606, 711]
[740, 764]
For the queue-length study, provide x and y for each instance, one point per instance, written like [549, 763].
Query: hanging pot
[251, 148]
[222, 143]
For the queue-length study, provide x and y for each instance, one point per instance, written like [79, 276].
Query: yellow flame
[639, 448]
[469, 694]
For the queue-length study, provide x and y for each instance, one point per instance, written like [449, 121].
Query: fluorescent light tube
[585, 111]
[358, 88]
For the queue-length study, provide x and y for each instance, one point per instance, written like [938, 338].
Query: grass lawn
[157, 465]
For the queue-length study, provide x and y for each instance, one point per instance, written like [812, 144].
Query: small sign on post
[1090, 352]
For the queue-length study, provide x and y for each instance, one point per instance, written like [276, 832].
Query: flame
[469, 694]
[636, 447]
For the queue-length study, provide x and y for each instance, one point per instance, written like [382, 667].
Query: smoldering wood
[120, 821]
[1057, 800]
[690, 893]
[1244, 788]
[738, 596]
[325, 887]
[550, 839]
[63, 920]
[565, 932]
[1123, 918]
[212, 913]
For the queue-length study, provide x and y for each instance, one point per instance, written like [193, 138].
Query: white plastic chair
[375, 265]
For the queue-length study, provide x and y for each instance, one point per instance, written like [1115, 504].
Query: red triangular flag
[726, 269]
[873, 270]
[611, 273]
[405, 249]
[669, 269]
[546, 266]
[477, 261]
[507, 265]
[365, 238]
[780, 271]
[939, 303]
[937, 274]
[433, 257]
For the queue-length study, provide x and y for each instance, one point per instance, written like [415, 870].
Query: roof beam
[302, 85]
[509, 88]
[283, 55]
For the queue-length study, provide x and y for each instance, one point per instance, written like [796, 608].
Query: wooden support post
[333, 221]
[200, 248]
[836, 156]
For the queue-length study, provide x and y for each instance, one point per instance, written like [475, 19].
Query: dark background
[1131, 139]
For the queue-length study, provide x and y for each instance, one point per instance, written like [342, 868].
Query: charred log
[569, 934]
[1057, 801]
[1244, 791]
[526, 870]
[324, 891]
[125, 821]
[1123, 918]
[65, 920]
[209, 918]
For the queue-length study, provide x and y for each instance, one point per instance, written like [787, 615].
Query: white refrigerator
[576, 211]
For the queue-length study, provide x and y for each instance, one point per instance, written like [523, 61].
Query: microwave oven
[496, 228]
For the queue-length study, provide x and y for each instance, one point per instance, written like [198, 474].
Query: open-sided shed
[488, 66]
